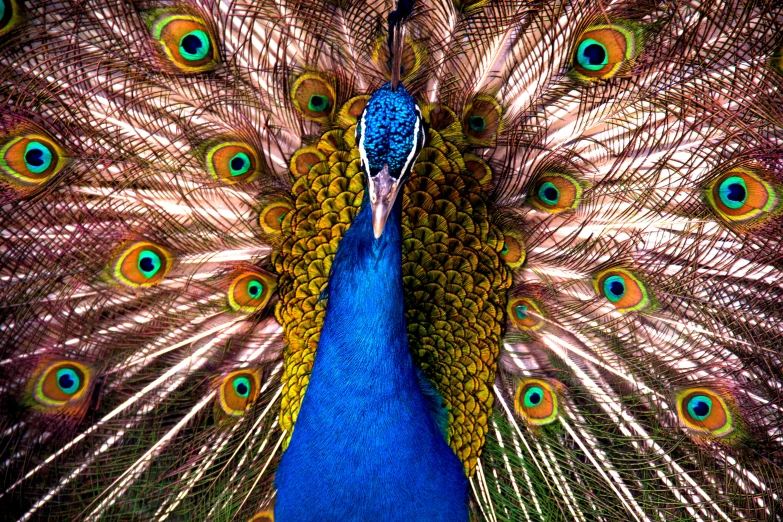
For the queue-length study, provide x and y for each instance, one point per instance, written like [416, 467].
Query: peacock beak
[383, 190]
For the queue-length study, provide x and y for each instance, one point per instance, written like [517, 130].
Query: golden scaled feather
[592, 254]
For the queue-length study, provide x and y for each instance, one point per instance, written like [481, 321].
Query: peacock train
[431, 260]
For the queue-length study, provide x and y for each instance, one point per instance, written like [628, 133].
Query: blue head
[390, 134]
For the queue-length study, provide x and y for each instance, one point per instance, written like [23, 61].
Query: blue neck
[365, 445]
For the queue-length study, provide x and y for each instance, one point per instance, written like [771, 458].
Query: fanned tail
[613, 167]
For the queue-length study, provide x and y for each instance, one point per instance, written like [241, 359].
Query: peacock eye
[149, 263]
[536, 401]
[232, 162]
[699, 407]
[481, 120]
[141, 264]
[705, 411]
[513, 251]
[555, 192]
[413, 55]
[255, 288]
[238, 390]
[273, 215]
[614, 288]
[194, 46]
[60, 383]
[251, 291]
[31, 159]
[742, 196]
[477, 123]
[592, 55]
[623, 289]
[525, 314]
[318, 103]
[10, 15]
[242, 387]
[534, 396]
[186, 41]
[314, 97]
[602, 50]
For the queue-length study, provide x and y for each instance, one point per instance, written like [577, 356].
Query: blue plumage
[368, 443]
[365, 446]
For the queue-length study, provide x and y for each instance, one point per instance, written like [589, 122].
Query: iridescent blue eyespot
[549, 193]
[536, 401]
[592, 55]
[603, 50]
[314, 96]
[238, 390]
[239, 164]
[186, 41]
[733, 192]
[614, 288]
[255, 288]
[250, 290]
[533, 396]
[37, 157]
[521, 311]
[149, 263]
[318, 103]
[10, 15]
[68, 381]
[242, 386]
[194, 45]
[477, 123]
[699, 407]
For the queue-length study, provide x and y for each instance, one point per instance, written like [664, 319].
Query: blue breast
[365, 446]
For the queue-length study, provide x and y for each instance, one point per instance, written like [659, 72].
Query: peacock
[442, 260]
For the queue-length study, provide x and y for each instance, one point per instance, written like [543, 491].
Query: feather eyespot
[705, 411]
[742, 196]
[233, 162]
[186, 41]
[29, 159]
[555, 192]
[273, 215]
[536, 401]
[525, 314]
[61, 383]
[141, 264]
[238, 390]
[513, 250]
[413, 54]
[604, 50]
[10, 15]
[623, 289]
[481, 120]
[250, 291]
[314, 97]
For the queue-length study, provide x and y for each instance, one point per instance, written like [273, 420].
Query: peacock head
[390, 134]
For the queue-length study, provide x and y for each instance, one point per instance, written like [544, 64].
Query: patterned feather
[591, 256]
